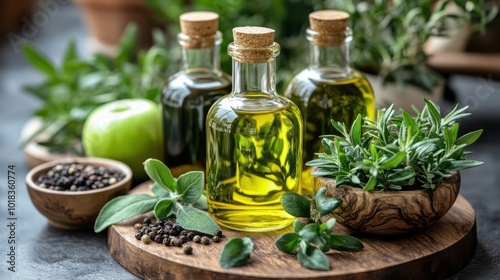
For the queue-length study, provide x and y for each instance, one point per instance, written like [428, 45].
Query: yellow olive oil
[254, 155]
[321, 101]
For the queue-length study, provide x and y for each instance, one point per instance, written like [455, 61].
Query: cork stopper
[200, 27]
[330, 26]
[254, 44]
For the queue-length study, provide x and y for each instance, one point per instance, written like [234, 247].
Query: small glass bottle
[188, 95]
[254, 140]
[329, 89]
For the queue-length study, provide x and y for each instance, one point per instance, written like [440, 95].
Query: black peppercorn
[190, 235]
[138, 236]
[147, 221]
[158, 239]
[197, 239]
[218, 233]
[216, 239]
[187, 249]
[205, 240]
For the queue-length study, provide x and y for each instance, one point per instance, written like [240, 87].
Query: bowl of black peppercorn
[70, 192]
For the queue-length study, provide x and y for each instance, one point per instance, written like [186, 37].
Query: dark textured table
[43, 252]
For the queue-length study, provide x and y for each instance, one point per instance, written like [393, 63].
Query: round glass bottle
[188, 95]
[254, 140]
[329, 89]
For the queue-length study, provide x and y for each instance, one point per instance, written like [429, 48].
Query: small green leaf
[330, 223]
[201, 203]
[190, 186]
[326, 204]
[372, 183]
[345, 243]
[393, 162]
[39, 61]
[160, 173]
[356, 130]
[236, 252]
[310, 233]
[159, 190]
[123, 207]
[193, 219]
[163, 208]
[297, 225]
[312, 258]
[126, 47]
[463, 164]
[288, 242]
[469, 138]
[296, 205]
[433, 111]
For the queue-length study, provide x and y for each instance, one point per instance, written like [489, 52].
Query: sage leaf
[325, 204]
[123, 207]
[288, 242]
[345, 243]
[312, 258]
[236, 252]
[159, 190]
[163, 208]
[193, 219]
[296, 205]
[201, 203]
[190, 185]
[160, 174]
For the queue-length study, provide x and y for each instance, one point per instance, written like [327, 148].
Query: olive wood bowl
[75, 210]
[391, 212]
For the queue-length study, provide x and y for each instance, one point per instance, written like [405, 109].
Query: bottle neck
[200, 53]
[329, 60]
[254, 77]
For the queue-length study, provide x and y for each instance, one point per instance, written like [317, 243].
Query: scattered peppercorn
[138, 236]
[197, 239]
[146, 239]
[187, 249]
[218, 233]
[216, 239]
[137, 226]
[147, 221]
[74, 176]
[205, 240]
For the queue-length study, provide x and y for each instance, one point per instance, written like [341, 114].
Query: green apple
[128, 130]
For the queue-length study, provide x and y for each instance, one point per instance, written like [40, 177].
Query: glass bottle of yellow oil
[188, 95]
[329, 89]
[254, 140]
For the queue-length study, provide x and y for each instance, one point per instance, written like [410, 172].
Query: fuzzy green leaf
[288, 242]
[236, 252]
[326, 204]
[469, 138]
[296, 205]
[201, 203]
[160, 174]
[330, 223]
[312, 258]
[190, 186]
[159, 190]
[193, 219]
[123, 207]
[163, 208]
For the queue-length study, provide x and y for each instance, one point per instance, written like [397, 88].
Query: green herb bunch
[77, 86]
[181, 197]
[396, 152]
[310, 241]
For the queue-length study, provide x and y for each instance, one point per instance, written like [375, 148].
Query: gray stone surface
[43, 252]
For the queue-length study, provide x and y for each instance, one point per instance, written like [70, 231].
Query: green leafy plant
[236, 252]
[77, 86]
[182, 197]
[389, 36]
[310, 241]
[396, 152]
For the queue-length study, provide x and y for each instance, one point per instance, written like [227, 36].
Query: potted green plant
[395, 174]
[389, 39]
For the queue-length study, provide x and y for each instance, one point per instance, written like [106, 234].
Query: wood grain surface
[434, 253]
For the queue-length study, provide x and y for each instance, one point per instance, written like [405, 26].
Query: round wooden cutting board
[434, 253]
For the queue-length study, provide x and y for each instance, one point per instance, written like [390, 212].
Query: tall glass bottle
[254, 140]
[329, 89]
[188, 95]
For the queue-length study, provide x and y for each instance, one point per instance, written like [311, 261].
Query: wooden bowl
[75, 210]
[391, 212]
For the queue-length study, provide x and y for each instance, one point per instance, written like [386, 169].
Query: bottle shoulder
[254, 103]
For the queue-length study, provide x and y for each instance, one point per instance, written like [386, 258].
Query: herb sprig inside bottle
[182, 197]
[310, 241]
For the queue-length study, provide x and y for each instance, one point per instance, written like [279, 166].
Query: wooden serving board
[434, 253]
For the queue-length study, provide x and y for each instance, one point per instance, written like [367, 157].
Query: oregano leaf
[288, 242]
[163, 208]
[296, 205]
[312, 258]
[193, 219]
[326, 204]
[190, 186]
[123, 207]
[160, 174]
[345, 243]
[236, 252]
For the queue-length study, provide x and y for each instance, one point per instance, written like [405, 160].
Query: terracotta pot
[391, 212]
[106, 20]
